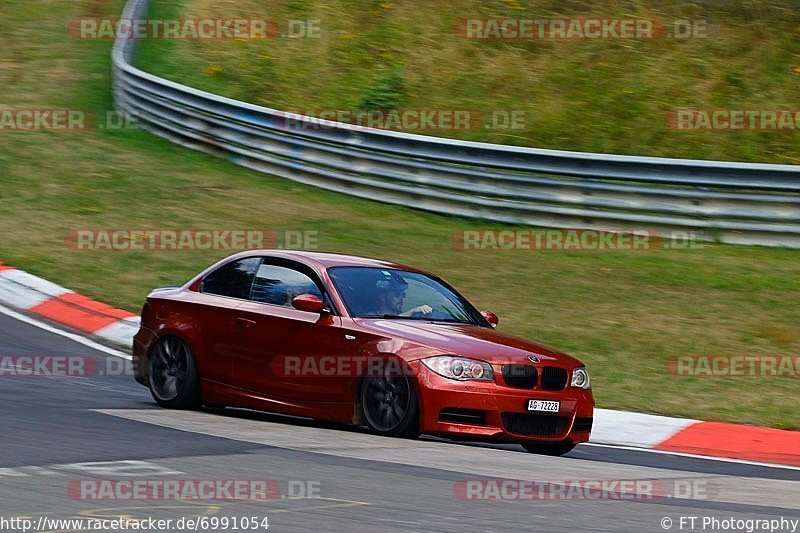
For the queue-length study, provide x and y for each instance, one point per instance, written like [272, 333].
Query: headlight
[460, 368]
[580, 378]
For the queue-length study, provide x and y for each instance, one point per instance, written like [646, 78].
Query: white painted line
[71, 336]
[692, 455]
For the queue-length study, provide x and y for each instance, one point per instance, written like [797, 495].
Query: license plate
[546, 406]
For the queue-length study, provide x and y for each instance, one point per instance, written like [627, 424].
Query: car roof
[328, 260]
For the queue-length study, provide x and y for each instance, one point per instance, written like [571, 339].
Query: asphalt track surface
[57, 430]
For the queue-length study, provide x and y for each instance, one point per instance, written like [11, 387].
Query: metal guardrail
[729, 202]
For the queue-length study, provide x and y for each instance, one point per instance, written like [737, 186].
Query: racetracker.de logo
[733, 119]
[619, 239]
[174, 489]
[294, 366]
[724, 366]
[206, 239]
[65, 120]
[69, 366]
[42, 120]
[47, 366]
[582, 489]
[402, 119]
[560, 29]
[192, 29]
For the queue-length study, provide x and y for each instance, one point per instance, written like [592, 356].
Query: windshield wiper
[422, 317]
[390, 316]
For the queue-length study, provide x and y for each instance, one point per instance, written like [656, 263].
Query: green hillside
[600, 95]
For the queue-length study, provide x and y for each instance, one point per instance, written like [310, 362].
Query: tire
[550, 448]
[174, 380]
[389, 406]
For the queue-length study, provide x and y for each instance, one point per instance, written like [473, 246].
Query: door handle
[245, 323]
[350, 337]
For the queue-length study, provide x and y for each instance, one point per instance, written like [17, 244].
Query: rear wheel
[550, 448]
[389, 406]
[174, 380]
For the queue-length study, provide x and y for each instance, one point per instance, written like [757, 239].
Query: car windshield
[372, 292]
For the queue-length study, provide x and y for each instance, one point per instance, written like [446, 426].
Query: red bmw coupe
[356, 341]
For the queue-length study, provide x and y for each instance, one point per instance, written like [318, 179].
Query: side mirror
[309, 302]
[491, 318]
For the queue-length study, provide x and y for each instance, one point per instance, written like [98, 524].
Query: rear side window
[279, 285]
[234, 279]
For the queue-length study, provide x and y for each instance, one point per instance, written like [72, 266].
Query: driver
[391, 294]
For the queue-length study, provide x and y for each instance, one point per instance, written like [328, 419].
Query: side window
[234, 279]
[278, 285]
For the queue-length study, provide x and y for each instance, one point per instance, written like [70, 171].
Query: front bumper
[496, 412]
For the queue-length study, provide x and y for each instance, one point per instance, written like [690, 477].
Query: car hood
[467, 340]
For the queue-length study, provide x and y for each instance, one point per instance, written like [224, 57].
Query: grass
[592, 95]
[624, 314]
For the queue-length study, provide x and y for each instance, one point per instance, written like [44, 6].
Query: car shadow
[582, 452]
[247, 414]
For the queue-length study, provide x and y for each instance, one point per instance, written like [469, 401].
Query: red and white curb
[50, 301]
[40, 297]
[695, 437]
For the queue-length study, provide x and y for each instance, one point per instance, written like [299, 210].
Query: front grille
[582, 424]
[534, 425]
[553, 378]
[520, 376]
[463, 416]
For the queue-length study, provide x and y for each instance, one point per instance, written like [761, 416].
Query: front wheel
[174, 380]
[389, 406]
[550, 448]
